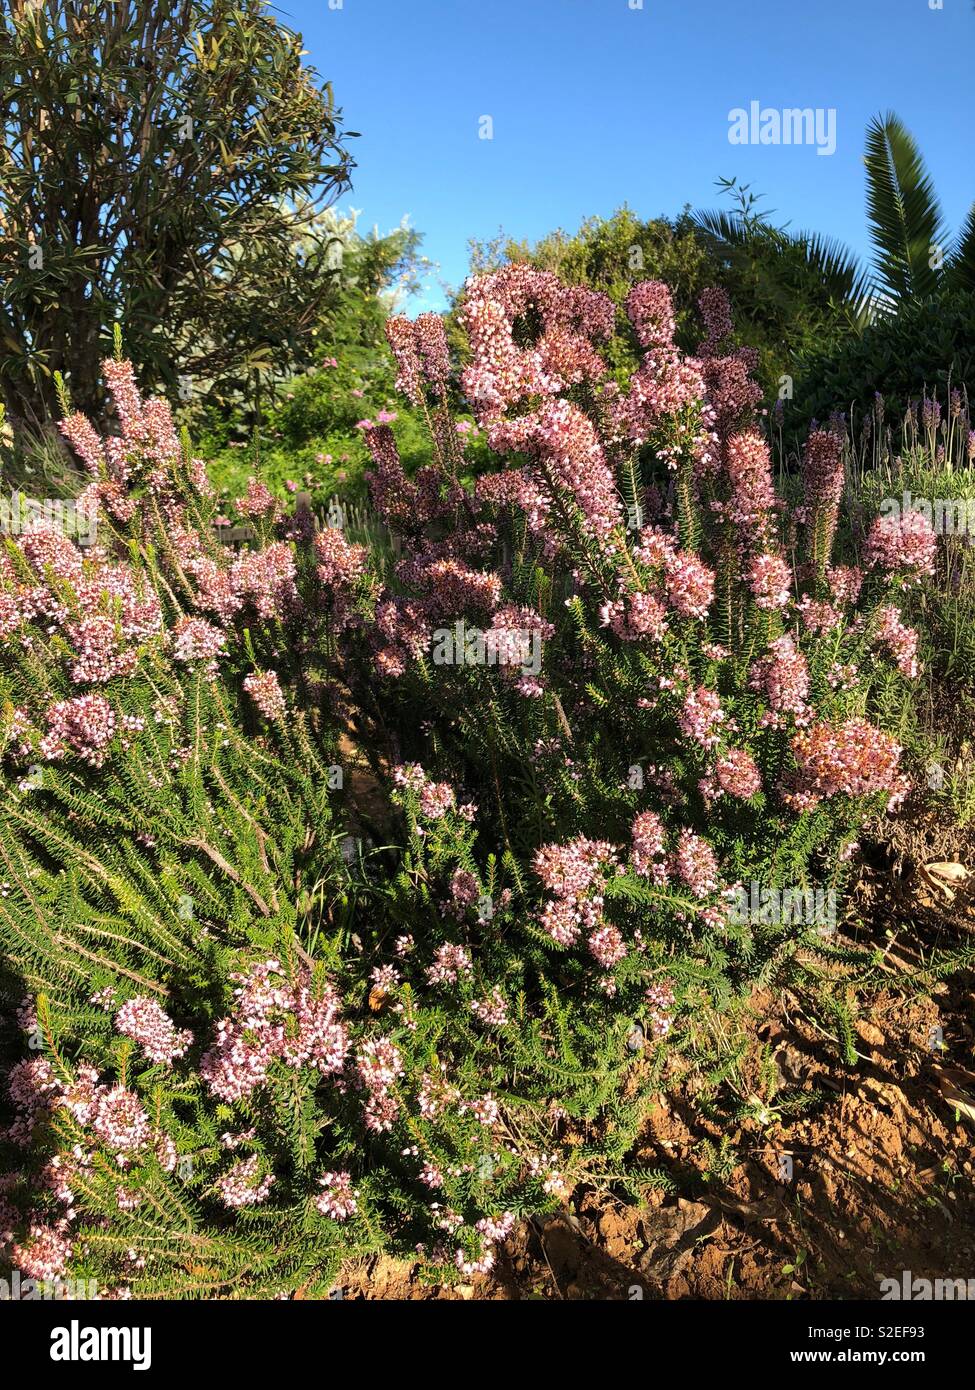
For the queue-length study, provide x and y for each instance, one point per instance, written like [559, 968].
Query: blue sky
[595, 104]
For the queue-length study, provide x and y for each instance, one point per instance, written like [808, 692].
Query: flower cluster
[145, 1021]
[265, 690]
[274, 1020]
[243, 1185]
[339, 1198]
[849, 759]
[902, 542]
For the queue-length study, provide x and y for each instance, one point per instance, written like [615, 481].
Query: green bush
[926, 348]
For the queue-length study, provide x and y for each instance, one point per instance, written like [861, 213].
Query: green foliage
[302, 426]
[611, 255]
[794, 292]
[927, 347]
[162, 164]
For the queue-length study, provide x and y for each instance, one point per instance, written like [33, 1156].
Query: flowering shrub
[600, 690]
[221, 1089]
[700, 658]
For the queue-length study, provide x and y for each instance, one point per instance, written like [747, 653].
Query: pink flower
[606, 945]
[254, 1036]
[120, 1121]
[264, 689]
[84, 726]
[695, 864]
[569, 870]
[737, 774]
[783, 677]
[845, 582]
[715, 310]
[636, 617]
[569, 462]
[822, 470]
[379, 1065]
[259, 500]
[660, 1001]
[449, 963]
[749, 468]
[148, 1024]
[492, 1011]
[770, 580]
[339, 1199]
[899, 640]
[702, 716]
[902, 541]
[650, 309]
[502, 373]
[243, 1185]
[44, 1255]
[854, 759]
[646, 855]
[817, 617]
[195, 641]
[690, 584]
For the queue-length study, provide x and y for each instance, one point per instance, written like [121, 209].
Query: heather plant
[165, 830]
[641, 665]
[352, 905]
[219, 1088]
[922, 462]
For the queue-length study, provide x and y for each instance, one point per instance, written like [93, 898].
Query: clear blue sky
[595, 104]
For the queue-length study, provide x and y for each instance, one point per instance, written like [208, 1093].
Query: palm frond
[845, 279]
[961, 266]
[735, 230]
[906, 223]
[723, 226]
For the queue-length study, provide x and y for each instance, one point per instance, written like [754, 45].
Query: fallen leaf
[944, 877]
[961, 1101]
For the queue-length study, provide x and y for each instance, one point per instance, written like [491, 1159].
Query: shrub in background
[175, 155]
[925, 349]
[298, 420]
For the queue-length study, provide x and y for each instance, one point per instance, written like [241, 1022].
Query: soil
[871, 1178]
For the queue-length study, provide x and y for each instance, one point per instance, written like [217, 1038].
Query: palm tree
[806, 267]
[912, 258]
[912, 255]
